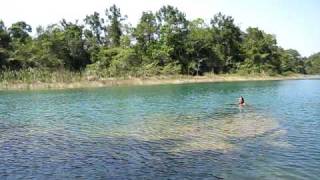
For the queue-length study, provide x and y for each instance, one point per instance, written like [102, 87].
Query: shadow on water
[116, 158]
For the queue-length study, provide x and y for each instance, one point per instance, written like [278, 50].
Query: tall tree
[173, 33]
[227, 42]
[96, 35]
[261, 52]
[114, 29]
[145, 32]
[20, 45]
[199, 48]
[77, 57]
[4, 36]
[20, 31]
[292, 61]
[4, 44]
[96, 25]
[313, 64]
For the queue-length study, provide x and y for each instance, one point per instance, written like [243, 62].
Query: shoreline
[110, 82]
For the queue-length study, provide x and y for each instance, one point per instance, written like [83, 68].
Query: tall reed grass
[37, 76]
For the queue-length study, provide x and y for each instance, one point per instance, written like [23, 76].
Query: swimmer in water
[241, 101]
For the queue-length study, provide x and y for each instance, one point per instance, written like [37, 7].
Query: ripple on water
[182, 132]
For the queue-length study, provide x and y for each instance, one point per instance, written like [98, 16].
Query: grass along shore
[69, 80]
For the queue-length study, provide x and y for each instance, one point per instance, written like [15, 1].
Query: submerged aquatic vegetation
[246, 125]
[190, 135]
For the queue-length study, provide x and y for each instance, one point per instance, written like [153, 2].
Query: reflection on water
[166, 132]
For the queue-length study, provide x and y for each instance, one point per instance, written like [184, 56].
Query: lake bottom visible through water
[189, 131]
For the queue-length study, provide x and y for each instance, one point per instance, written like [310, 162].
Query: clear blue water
[190, 131]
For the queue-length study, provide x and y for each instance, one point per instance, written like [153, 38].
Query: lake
[188, 131]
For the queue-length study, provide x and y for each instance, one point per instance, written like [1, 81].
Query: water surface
[190, 131]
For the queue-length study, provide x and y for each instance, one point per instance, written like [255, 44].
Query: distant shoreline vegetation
[31, 79]
[163, 43]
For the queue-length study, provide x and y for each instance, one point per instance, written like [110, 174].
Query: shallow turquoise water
[191, 131]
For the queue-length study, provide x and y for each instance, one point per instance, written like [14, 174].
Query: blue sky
[294, 22]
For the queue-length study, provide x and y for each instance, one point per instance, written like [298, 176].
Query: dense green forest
[162, 43]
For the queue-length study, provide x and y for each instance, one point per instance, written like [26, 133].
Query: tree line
[163, 42]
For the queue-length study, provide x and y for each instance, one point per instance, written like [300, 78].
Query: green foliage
[226, 42]
[103, 60]
[114, 29]
[4, 44]
[173, 33]
[162, 43]
[31, 75]
[171, 69]
[22, 55]
[260, 52]
[76, 56]
[145, 32]
[52, 51]
[199, 47]
[97, 27]
[19, 31]
[4, 36]
[313, 64]
[125, 62]
[291, 61]
[116, 62]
